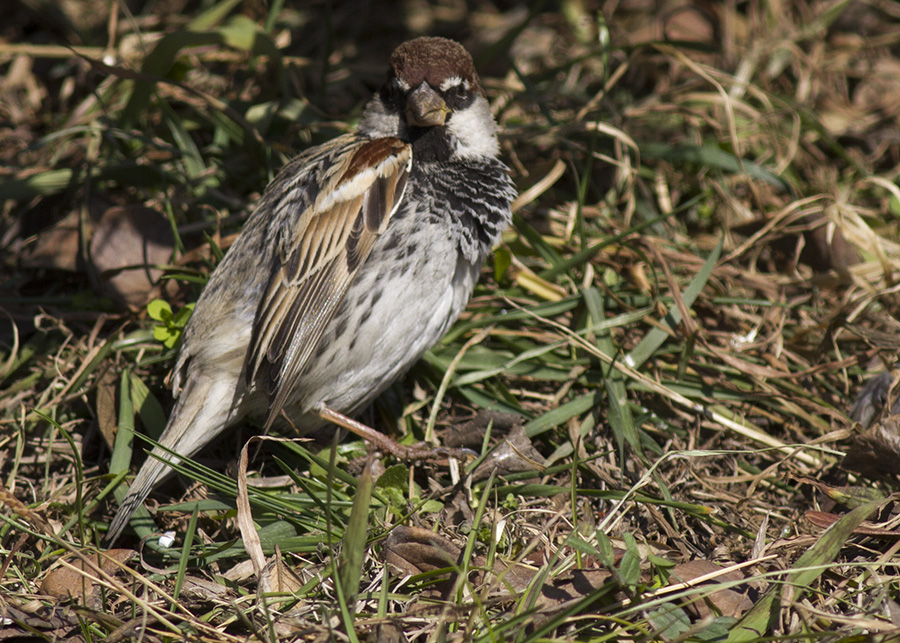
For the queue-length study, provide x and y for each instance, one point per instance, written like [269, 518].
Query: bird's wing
[319, 257]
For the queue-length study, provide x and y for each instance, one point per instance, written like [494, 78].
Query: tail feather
[205, 408]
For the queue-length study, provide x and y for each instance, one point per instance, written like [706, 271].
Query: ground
[655, 375]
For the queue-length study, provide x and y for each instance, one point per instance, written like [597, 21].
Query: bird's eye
[456, 96]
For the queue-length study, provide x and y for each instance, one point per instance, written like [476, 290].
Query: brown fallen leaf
[692, 24]
[38, 617]
[824, 520]
[571, 586]
[514, 454]
[201, 589]
[75, 579]
[514, 451]
[107, 415]
[812, 240]
[877, 398]
[876, 452]
[386, 633]
[278, 577]
[126, 244]
[470, 434]
[726, 602]
[55, 248]
[409, 551]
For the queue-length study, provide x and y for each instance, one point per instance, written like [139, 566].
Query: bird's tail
[199, 416]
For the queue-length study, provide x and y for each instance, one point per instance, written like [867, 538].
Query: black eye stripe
[457, 97]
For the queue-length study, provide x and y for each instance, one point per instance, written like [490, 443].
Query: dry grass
[702, 272]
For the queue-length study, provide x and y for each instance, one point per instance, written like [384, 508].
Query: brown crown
[433, 60]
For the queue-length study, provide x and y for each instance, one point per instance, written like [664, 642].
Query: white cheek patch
[474, 130]
[402, 84]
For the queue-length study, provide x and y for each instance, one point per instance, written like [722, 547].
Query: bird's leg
[385, 444]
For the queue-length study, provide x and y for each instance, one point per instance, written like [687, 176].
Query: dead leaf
[873, 398]
[470, 434]
[75, 579]
[240, 572]
[813, 240]
[126, 245]
[55, 248]
[251, 541]
[691, 23]
[107, 416]
[515, 454]
[386, 633]
[726, 602]
[278, 577]
[824, 520]
[573, 585]
[37, 616]
[409, 551]
[876, 452]
[826, 247]
[201, 589]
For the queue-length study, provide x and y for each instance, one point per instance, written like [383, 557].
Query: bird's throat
[430, 143]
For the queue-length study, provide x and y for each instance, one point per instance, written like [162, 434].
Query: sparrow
[357, 259]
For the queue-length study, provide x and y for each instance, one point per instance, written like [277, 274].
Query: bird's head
[434, 99]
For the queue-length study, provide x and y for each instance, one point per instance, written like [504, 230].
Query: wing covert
[318, 260]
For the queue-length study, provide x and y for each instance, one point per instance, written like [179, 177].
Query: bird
[358, 257]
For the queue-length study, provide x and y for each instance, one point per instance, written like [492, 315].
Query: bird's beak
[425, 108]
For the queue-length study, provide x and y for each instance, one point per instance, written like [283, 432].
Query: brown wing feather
[331, 241]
